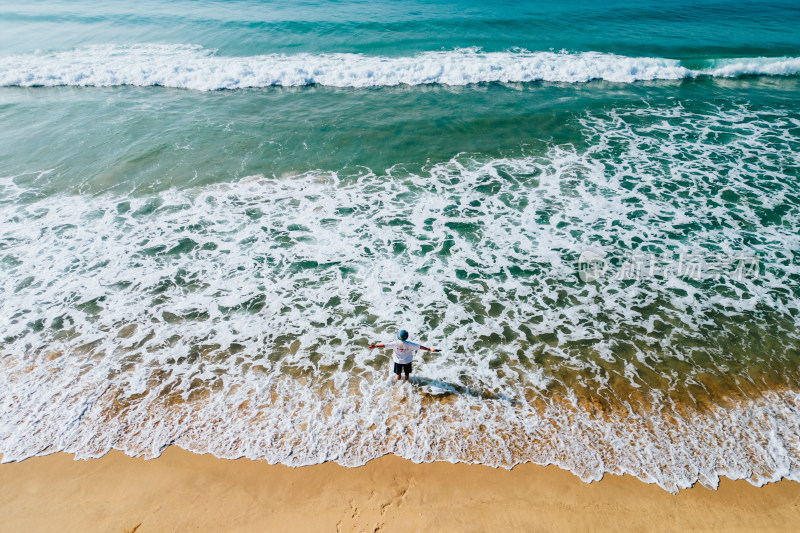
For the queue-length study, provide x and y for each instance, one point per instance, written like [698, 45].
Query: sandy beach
[182, 491]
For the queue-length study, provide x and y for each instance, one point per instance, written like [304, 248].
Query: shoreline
[182, 491]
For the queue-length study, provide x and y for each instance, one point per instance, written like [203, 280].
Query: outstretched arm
[428, 349]
[371, 346]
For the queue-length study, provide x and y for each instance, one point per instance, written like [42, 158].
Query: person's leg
[406, 377]
[397, 370]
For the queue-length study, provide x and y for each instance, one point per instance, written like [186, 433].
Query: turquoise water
[209, 209]
[683, 29]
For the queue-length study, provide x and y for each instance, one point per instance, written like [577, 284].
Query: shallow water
[206, 267]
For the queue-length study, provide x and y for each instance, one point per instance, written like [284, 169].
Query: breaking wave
[193, 67]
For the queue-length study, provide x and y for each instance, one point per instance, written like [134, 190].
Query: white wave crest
[193, 67]
[754, 66]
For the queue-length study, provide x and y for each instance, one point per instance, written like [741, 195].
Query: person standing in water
[403, 352]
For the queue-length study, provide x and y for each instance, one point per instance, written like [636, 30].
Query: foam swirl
[234, 318]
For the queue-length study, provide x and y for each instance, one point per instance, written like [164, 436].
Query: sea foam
[193, 67]
[234, 318]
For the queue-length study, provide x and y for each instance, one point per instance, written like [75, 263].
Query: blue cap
[402, 335]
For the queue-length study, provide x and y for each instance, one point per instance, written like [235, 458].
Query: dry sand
[181, 491]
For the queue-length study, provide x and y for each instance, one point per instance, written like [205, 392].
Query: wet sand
[182, 491]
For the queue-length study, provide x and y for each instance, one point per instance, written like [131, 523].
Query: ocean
[210, 209]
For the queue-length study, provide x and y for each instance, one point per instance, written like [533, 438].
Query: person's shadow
[443, 389]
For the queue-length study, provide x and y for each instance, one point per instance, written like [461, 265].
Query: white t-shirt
[403, 351]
